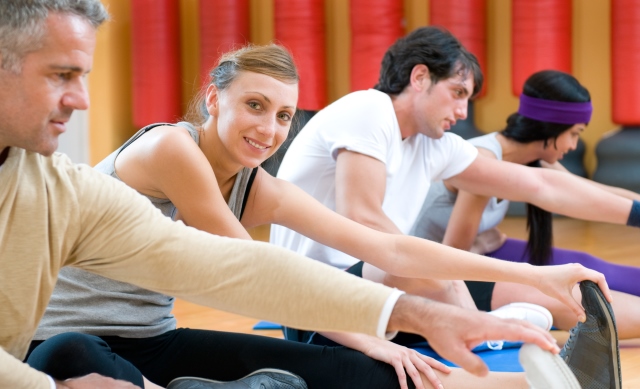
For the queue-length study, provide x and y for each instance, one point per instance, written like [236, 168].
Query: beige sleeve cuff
[17, 375]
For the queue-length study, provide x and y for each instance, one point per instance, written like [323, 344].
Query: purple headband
[554, 111]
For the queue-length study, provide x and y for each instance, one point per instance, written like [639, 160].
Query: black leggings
[214, 355]
[481, 292]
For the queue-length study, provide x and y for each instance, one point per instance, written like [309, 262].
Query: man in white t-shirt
[363, 125]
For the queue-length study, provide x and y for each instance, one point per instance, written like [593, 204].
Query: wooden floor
[614, 243]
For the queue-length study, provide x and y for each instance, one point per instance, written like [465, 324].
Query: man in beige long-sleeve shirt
[54, 213]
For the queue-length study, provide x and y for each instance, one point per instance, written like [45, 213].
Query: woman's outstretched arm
[412, 257]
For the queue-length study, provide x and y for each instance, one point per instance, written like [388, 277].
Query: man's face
[440, 105]
[37, 102]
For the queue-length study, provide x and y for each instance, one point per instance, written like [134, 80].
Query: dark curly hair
[434, 47]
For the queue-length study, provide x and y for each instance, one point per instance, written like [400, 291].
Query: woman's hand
[404, 359]
[488, 241]
[559, 281]
[400, 357]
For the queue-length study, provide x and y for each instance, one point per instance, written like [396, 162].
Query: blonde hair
[271, 60]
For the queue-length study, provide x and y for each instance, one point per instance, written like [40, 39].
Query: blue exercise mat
[505, 359]
[267, 325]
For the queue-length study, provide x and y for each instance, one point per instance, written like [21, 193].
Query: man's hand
[454, 331]
[94, 381]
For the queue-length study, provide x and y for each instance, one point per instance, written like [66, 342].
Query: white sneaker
[545, 370]
[534, 314]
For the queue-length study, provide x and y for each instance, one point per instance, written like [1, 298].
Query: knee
[67, 355]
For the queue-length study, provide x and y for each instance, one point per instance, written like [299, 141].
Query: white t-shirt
[365, 122]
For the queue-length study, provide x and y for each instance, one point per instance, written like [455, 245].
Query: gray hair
[22, 24]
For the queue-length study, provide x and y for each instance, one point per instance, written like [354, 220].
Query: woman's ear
[211, 100]
[420, 78]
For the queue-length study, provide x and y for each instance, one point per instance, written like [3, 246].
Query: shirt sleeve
[52, 383]
[386, 315]
[368, 128]
[123, 237]
[18, 375]
[453, 155]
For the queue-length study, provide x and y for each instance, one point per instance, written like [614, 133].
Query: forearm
[372, 218]
[18, 375]
[548, 189]
[359, 342]
[447, 291]
[410, 257]
[612, 189]
[576, 197]
[410, 311]
[618, 191]
[401, 255]
[421, 258]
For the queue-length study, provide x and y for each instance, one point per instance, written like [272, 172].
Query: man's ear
[420, 78]
[211, 100]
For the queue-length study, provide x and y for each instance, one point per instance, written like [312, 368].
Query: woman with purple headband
[554, 110]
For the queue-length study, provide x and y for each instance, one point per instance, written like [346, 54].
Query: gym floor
[614, 243]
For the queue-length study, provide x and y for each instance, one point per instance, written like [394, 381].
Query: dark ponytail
[540, 227]
[555, 86]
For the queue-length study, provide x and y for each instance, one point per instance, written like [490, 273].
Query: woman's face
[253, 116]
[566, 142]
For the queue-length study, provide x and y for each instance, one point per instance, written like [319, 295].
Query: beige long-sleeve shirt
[54, 213]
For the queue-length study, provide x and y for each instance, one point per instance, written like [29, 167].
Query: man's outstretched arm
[123, 237]
[549, 189]
[135, 244]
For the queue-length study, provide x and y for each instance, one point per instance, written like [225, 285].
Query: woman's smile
[256, 144]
